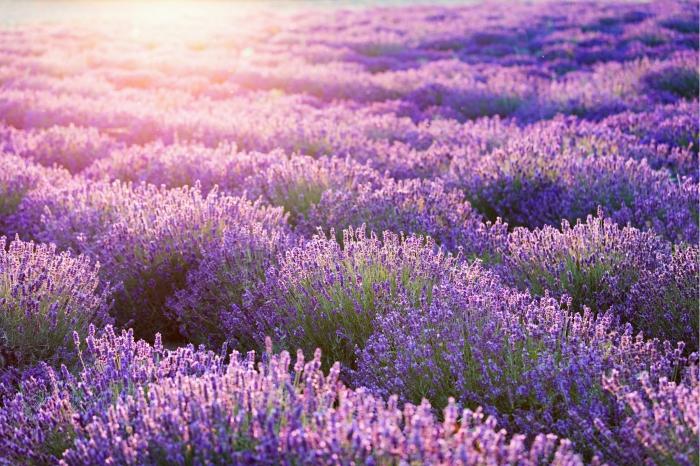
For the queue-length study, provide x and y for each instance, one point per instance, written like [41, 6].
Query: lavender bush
[300, 183]
[676, 77]
[44, 298]
[663, 301]
[146, 238]
[74, 216]
[295, 419]
[183, 164]
[330, 295]
[159, 239]
[227, 294]
[541, 178]
[74, 148]
[593, 264]
[534, 366]
[17, 180]
[330, 193]
[39, 421]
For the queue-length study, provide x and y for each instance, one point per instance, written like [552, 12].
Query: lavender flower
[531, 364]
[228, 292]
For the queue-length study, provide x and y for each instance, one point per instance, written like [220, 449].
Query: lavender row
[134, 403]
[148, 239]
[536, 180]
[445, 89]
[666, 136]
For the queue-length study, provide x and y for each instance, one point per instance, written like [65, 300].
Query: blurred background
[21, 12]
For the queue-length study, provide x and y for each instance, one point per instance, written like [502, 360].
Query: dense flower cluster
[44, 299]
[330, 193]
[227, 295]
[178, 165]
[17, 179]
[481, 219]
[235, 412]
[331, 294]
[533, 365]
[72, 147]
[664, 299]
[661, 425]
[593, 264]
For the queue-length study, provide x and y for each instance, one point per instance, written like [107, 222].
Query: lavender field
[448, 234]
